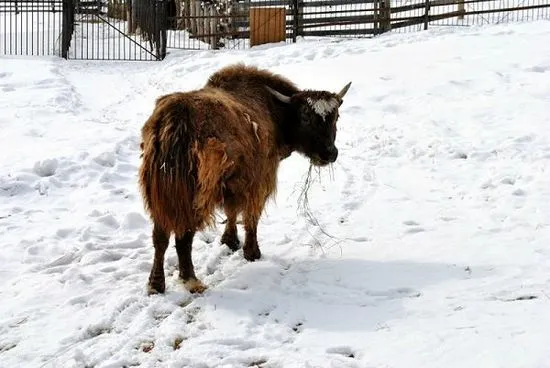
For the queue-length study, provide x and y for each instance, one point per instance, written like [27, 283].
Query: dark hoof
[231, 240]
[252, 254]
[156, 288]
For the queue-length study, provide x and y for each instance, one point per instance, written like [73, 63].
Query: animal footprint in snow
[297, 327]
[508, 180]
[342, 350]
[414, 227]
[519, 192]
[459, 155]
[538, 69]
[257, 363]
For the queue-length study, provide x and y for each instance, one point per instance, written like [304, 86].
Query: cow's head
[315, 131]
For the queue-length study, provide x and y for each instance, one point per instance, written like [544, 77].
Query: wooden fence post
[205, 23]
[376, 15]
[426, 14]
[212, 29]
[132, 17]
[185, 15]
[385, 12]
[298, 18]
[382, 16]
[460, 6]
[198, 21]
[192, 19]
[179, 12]
[294, 20]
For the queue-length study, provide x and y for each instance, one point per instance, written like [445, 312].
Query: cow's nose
[332, 153]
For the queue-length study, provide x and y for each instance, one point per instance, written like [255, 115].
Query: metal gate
[31, 27]
[84, 29]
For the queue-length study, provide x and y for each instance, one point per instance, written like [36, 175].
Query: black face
[315, 131]
[318, 113]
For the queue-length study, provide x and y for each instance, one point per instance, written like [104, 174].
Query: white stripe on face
[323, 107]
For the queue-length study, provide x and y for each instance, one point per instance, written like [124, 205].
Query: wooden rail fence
[232, 24]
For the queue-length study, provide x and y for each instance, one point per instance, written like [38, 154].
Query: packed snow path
[439, 206]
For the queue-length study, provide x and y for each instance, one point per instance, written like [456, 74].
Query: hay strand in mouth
[303, 199]
[304, 205]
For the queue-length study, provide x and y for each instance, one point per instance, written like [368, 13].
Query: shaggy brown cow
[220, 146]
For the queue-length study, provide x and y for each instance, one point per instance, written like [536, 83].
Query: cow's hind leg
[156, 277]
[184, 245]
[251, 250]
[229, 236]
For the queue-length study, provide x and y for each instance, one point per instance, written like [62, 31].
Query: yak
[219, 147]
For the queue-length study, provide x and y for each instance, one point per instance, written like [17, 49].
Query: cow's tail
[180, 178]
[167, 176]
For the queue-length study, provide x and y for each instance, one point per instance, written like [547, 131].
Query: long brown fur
[215, 147]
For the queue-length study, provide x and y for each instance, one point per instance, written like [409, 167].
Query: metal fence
[84, 29]
[114, 31]
[143, 29]
[30, 27]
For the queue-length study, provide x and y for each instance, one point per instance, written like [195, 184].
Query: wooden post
[461, 9]
[300, 17]
[213, 30]
[132, 16]
[206, 23]
[426, 14]
[376, 21]
[186, 13]
[385, 15]
[192, 20]
[294, 20]
[129, 16]
[198, 26]
[178, 22]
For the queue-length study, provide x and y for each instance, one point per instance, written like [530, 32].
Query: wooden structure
[267, 25]
[246, 23]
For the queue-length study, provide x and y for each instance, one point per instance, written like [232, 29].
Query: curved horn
[278, 95]
[344, 90]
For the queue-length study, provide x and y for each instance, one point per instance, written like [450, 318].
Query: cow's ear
[278, 95]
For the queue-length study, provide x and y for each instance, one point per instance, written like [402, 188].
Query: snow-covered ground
[438, 208]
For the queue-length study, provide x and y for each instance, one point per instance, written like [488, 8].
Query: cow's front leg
[251, 250]
[156, 277]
